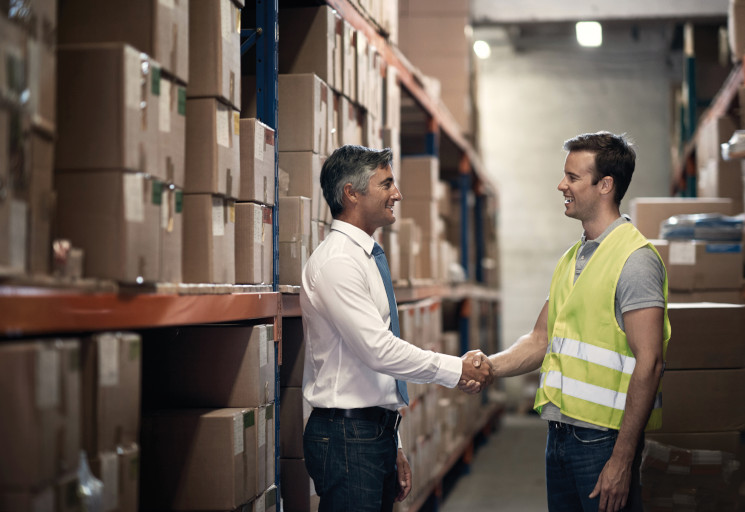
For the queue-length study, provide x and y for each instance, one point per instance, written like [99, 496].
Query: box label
[238, 434]
[179, 201]
[682, 253]
[134, 190]
[166, 99]
[108, 360]
[168, 4]
[261, 427]
[157, 195]
[47, 378]
[259, 138]
[248, 419]
[223, 125]
[263, 353]
[227, 23]
[132, 81]
[182, 101]
[155, 81]
[218, 217]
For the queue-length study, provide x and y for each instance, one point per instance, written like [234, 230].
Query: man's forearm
[524, 356]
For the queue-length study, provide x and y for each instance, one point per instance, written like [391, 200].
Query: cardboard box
[297, 487]
[292, 259]
[14, 53]
[40, 389]
[294, 413]
[303, 116]
[729, 442]
[254, 256]
[172, 126]
[736, 29]
[266, 502]
[209, 239]
[27, 499]
[109, 116]
[428, 266]
[304, 169]
[171, 234]
[410, 238]
[372, 136]
[312, 43]
[419, 177]
[159, 29]
[702, 401]
[424, 213]
[295, 219]
[257, 150]
[42, 82]
[349, 61]
[351, 121]
[717, 177]
[213, 162]
[114, 216]
[211, 366]
[648, 213]
[266, 448]
[215, 51]
[362, 91]
[41, 203]
[15, 154]
[706, 336]
[293, 353]
[696, 265]
[197, 459]
[725, 296]
[392, 250]
[112, 370]
[128, 457]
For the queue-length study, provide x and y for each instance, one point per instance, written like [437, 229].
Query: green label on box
[270, 411]
[179, 201]
[271, 497]
[156, 81]
[182, 101]
[248, 419]
[157, 192]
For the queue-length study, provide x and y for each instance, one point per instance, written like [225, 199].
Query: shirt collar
[619, 221]
[356, 234]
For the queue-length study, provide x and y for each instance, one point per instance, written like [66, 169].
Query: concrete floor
[507, 473]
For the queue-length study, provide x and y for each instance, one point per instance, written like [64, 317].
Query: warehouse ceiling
[485, 12]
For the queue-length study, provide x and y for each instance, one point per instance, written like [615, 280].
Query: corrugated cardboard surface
[209, 239]
[294, 218]
[112, 371]
[303, 116]
[40, 439]
[304, 168]
[249, 237]
[312, 43]
[196, 459]
[172, 126]
[702, 401]
[706, 336]
[114, 216]
[171, 235]
[647, 213]
[212, 148]
[214, 50]
[257, 162]
[418, 177]
[160, 29]
[210, 366]
[108, 120]
[292, 259]
[696, 265]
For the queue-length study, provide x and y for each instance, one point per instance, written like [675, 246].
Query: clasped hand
[477, 372]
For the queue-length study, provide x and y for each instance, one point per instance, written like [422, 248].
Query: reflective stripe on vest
[593, 354]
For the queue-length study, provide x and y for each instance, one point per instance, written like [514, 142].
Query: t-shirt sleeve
[641, 282]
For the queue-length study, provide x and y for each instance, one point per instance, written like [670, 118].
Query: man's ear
[606, 184]
[349, 193]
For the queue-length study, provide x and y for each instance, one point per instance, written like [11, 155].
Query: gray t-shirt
[640, 285]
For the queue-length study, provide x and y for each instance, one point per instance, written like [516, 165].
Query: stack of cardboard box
[696, 270]
[704, 373]
[28, 126]
[209, 425]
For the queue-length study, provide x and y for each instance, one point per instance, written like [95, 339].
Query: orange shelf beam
[25, 312]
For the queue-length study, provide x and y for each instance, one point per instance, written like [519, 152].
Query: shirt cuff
[450, 370]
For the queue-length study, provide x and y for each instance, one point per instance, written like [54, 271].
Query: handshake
[478, 372]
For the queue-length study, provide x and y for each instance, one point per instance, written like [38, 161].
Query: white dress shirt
[351, 357]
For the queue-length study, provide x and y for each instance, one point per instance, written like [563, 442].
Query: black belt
[385, 417]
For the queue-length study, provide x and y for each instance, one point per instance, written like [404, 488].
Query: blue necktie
[385, 273]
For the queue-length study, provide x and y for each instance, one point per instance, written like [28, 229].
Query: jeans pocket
[315, 450]
[362, 430]
[591, 436]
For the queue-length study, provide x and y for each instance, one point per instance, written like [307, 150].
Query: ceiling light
[482, 49]
[589, 33]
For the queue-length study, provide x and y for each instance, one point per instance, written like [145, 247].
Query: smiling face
[581, 195]
[376, 206]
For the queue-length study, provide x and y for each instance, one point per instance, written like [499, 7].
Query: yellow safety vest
[588, 364]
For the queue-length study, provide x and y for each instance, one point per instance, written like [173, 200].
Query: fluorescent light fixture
[482, 49]
[589, 33]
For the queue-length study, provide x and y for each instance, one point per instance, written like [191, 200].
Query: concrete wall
[537, 90]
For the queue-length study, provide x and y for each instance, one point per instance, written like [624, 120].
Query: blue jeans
[575, 456]
[352, 463]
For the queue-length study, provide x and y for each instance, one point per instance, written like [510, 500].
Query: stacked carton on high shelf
[28, 126]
